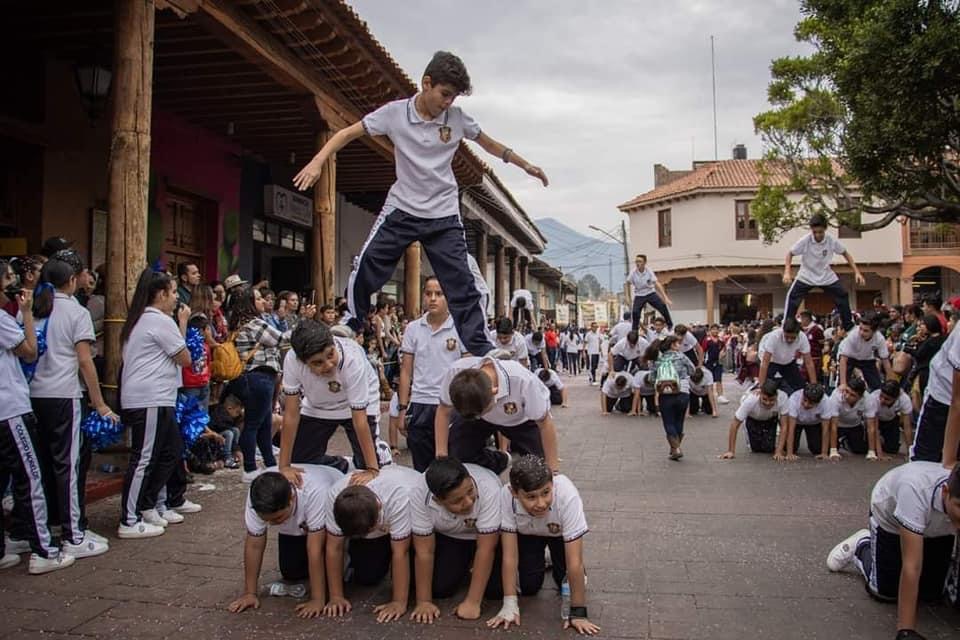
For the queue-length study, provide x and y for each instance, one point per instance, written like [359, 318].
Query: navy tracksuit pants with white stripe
[58, 424]
[443, 240]
[155, 450]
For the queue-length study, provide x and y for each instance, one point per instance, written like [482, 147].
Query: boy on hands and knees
[299, 515]
[762, 413]
[861, 349]
[376, 519]
[616, 394]
[703, 394]
[483, 396]
[854, 421]
[808, 412]
[779, 351]
[905, 555]
[816, 251]
[423, 204]
[644, 393]
[456, 527]
[541, 510]
[537, 350]
[553, 383]
[626, 354]
[510, 344]
[894, 412]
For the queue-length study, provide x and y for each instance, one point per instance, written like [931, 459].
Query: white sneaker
[39, 564]
[139, 530]
[871, 455]
[89, 533]
[152, 516]
[187, 507]
[86, 549]
[16, 546]
[9, 560]
[170, 516]
[842, 554]
[250, 476]
[722, 400]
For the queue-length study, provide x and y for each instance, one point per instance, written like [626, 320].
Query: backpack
[225, 362]
[668, 380]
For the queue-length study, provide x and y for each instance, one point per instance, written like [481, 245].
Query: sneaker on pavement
[171, 516]
[152, 516]
[88, 548]
[188, 507]
[16, 546]
[89, 533]
[231, 463]
[842, 554]
[722, 400]
[39, 564]
[139, 530]
[9, 560]
[250, 476]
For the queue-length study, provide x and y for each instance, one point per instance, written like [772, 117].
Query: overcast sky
[596, 92]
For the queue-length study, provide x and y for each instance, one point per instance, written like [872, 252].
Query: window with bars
[745, 225]
[664, 228]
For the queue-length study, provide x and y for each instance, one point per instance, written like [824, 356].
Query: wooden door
[184, 231]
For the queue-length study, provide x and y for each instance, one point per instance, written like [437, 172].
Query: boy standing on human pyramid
[423, 204]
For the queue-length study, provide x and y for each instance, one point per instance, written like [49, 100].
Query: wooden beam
[325, 225]
[411, 280]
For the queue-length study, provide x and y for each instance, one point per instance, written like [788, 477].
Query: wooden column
[483, 248]
[500, 286]
[894, 287]
[411, 280]
[324, 234]
[524, 272]
[129, 170]
[709, 284]
[513, 275]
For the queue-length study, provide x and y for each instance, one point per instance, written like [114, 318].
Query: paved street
[692, 549]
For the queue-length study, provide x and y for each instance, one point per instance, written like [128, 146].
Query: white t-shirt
[942, 366]
[630, 352]
[310, 504]
[533, 348]
[16, 397]
[911, 496]
[852, 416]
[643, 281]
[653, 334]
[609, 387]
[620, 331]
[592, 340]
[573, 343]
[151, 376]
[750, 407]
[517, 347]
[521, 397]
[353, 384]
[565, 518]
[553, 381]
[815, 259]
[426, 186]
[433, 351]
[781, 351]
[855, 347]
[430, 517]
[703, 388]
[58, 369]
[639, 383]
[902, 406]
[393, 486]
[688, 341]
[526, 295]
[814, 415]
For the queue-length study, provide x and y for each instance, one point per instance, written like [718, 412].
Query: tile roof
[723, 175]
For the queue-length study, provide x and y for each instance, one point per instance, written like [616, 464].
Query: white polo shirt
[520, 397]
[639, 383]
[573, 342]
[781, 351]
[855, 347]
[393, 486]
[902, 406]
[911, 496]
[815, 259]
[653, 334]
[16, 396]
[151, 377]
[553, 381]
[526, 295]
[353, 384]
[532, 348]
[430, 517]
[814, 415]
[592, 340]
[852, 416]
[57, 370]
[620, 331]
[310, 504]
[423, 149]
[565, 518]
[433, 352]
[643, 281]
[688, 341]
[517, 347]
[703, 388]
[609, 387]
[750, 407]
[625, 350]
[942, 366]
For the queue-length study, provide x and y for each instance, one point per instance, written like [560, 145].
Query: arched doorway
[941, 281]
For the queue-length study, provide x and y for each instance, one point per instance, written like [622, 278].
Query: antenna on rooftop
[713, 67]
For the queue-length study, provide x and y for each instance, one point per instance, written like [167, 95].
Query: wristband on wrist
[577, 613]
[401, 407]
[510, 600]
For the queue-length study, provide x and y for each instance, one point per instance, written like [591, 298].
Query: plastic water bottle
[565, 600]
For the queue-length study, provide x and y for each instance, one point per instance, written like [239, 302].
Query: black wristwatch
[578, 613]
[401, 407]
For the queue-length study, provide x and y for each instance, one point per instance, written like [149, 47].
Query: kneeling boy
[558, 391]
[854, 421]
[456, 527]
[905, 555]
[299, 515]
[617, 394]
[541, 510]
[894, 412]
[808, 412]
[762, 411]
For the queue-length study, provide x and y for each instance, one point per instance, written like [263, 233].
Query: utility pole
[626, 264]
[713, 68]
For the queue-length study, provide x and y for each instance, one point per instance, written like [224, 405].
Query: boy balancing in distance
[905, 554]
[456, 528]
[541, 510]
[299, 515]
[423, 204]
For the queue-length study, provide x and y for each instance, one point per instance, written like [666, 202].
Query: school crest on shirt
[553, 528]
[334, 386]
[860, 414]
[451, 344]
[824, 253]
[470, 523]
[445, 133]
[510, 408]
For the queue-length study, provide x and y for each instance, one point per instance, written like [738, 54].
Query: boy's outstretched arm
[510, 156]
[311, 172]
[857, 276]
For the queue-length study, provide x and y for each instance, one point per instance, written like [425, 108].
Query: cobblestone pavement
[700, 548]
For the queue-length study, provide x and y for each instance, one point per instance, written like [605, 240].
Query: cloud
[598, 92]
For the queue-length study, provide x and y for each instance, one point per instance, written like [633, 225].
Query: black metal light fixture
[93, 77]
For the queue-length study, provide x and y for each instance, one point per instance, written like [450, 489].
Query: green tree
[865, 129]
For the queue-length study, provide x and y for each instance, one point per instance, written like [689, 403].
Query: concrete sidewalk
[700, 548]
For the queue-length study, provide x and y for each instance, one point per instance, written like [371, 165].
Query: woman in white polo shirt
[154, 349]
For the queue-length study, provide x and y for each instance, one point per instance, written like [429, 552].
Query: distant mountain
[582, 254]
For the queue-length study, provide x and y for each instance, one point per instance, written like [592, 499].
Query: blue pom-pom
[192, 418]
[101, 432]
[195, 345]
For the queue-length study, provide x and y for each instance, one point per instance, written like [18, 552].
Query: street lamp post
[622, 241]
